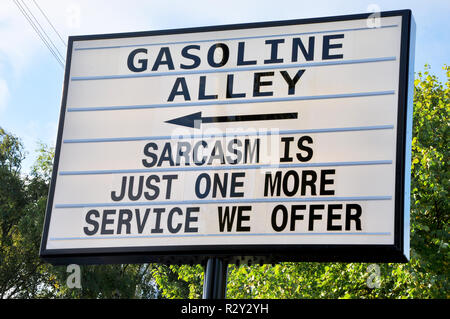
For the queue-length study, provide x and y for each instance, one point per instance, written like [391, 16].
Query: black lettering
[274, 51]
[185, 54]
[150, 154]
[307, 54]
[218, 184]
[164, 52]
[191, 219]
[131, 196]
[141, 224]
[273, 183]
[257, 83]
[313, 216]
[183, 150]
[169, 179]
[234, 151]
[170, 227]
[240, 55]
[154, 188]
[107, 221]
[116, 198]
[332, 217]
[125, 216]
[307, 149]
[356, 217]
[195, 152]
[207, 178]
[287, 141]
[158, 229]
[309, 182]
[225, 218]
[143, 62]
[225, 55]
[179, 88]
[217, 153]
[294, 216]
[90, 214]
[292, 81]
[251, 151]
[324, 181]
[327, 47]
[230, 94]
[294, 190]
[284, 220]
[201, 90]
[166, 155]
[235, 184]
[241, 218]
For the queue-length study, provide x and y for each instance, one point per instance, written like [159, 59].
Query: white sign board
[287, 139]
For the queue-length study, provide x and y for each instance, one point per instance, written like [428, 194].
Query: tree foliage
[430, 181]
[22, 209]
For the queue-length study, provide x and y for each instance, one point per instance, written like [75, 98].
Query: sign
[272, 141]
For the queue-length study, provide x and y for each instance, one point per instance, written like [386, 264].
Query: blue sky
[31, 80]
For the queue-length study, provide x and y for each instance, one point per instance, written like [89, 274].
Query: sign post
[277, 141]
[215, 281]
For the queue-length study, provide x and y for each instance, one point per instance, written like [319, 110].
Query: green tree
[22, 209]
[430, 182]
[177, 282]
[18, 268]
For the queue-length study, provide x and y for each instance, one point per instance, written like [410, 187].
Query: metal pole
[215, 281]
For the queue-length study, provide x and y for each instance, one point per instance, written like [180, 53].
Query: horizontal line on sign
[228, 167]
[242, 69]
[232, 39]
[228, 134]
[227, 102]
[227, 201]
[221, 235]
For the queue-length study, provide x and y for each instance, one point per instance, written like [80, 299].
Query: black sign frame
[260, 253]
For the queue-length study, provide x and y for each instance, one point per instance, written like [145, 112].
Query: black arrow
[196, 119]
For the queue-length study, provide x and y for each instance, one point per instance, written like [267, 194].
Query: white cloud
[18, 42]
[21, 47]
[4, 94]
